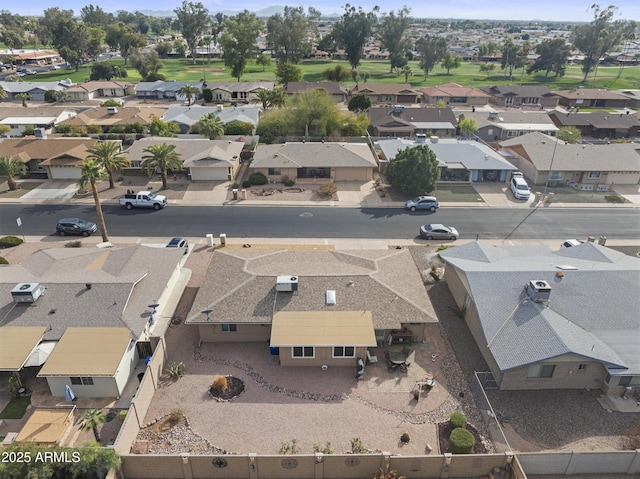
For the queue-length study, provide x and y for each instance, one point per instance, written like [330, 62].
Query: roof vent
[331, 296]
[287, 283]
[538, 290]
[27, 292]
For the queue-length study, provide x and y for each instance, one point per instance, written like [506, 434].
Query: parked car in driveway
[179, 243]
[422, 203]
[54, 67]
[75, 226]
[438, 231]
[519, 187]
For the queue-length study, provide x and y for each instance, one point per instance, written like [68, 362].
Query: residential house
[337, 91]
[164, 90]
[52, 158]
[204, 159]
[398, 121]
[502, 125]
[36, 57]
[599, 124]
[591, 97]
[633, 97]
[35, 90]
[187, 116]
[387, 93]
[46, 118]
[522, 96]
[544, 319]
[320, 307]
[100, 89]
[238, 92]
[453, 94]
[95, 303]
[465, 161]
[109, 117]
[329, 161]
[586, 167]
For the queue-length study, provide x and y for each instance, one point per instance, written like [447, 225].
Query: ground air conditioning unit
[538, 290]
[27, 292]
[287, 283]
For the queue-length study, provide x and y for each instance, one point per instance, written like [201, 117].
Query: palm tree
[11, 167]
[163, 157]
[407, 72]
[211, 126]
[262, 96]
[24, 97]
[90, 173]
[108, 155]
[90, 420]
[278, 97]
[189, 91]
[3, 94]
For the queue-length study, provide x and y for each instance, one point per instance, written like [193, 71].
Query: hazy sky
[573, 10]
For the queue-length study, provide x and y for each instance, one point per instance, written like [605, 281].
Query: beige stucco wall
[623, 178]
[352, 174]
[212, 333]
[323, 355]
[126, 367]
[566, 375]
[102, 387]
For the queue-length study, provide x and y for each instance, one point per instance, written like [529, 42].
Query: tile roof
[452, 89]
[328, 154]
[519, 90]
[598, 119]
[388, 117]
[197, 152]
[592, 311]
[384, 89]
[333, 88]
[590, 93]
[124, 115]
[383, 282]
[99, 85]
[43, 149]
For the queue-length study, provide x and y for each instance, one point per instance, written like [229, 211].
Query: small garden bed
[224, 391]
[16, 408]
[444, 431]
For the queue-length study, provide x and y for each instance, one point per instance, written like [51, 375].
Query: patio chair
[371, 358]
[406, 352]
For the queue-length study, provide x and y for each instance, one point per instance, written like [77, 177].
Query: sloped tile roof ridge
[476, 251]
[350, 258]
[232, 291]
[593, 252]
[404, 298]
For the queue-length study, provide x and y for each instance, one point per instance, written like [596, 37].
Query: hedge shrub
[457, 419]
[246, 184]
[327, 190]
[258, 179]
[10, 241]
[461, 441]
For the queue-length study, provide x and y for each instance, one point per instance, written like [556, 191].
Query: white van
[519, 187]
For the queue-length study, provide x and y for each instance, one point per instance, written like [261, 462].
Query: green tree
[270, 98]
[161, 157]
[239, 41]
[328, 44]
[263, 60]
[194, 23]
[91, 419]
[392, 28]
[431, 50]
[569, 134]
[210, 126]
[552, 57]
[11, 167]
[312, 111]
[4, 129]
[95, 16]
[23, 97]
[12, 38]
[353, 125]
[509, 61]
[146, 63]
[157, 127]
[164, 48]
[189, 91]
[236, 127]
[359, 103]
[103, 70]
[3, 94]
[91, 172]
[110, 157]
[288, 72]
[598, 37]
[468, 126]
[287, 33]
[352, 31]
[449, 62]
[414, 171]
[274, 124]
[487, 67]
[336, 74]
[123, 38]
[407, 72]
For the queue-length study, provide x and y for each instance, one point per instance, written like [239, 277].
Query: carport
[17, 344]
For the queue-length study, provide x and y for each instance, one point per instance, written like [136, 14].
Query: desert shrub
[246, 184]
[461, 441]
[29, 130]
[326, 449]
[111, 103]
[357, 447]
[288, 181]
[176, 414]
[116, 129]
[64, 129]
[9, 241]
[176, 369]
[614, 198]
[219, 383]
[327, 190]
[258, 179]
[388, 474]
[238, 128]
[291, 447]
[3, 260]
[457, 419]
[95, 129]
[73, 244]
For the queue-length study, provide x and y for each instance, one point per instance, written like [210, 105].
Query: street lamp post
[553, 157]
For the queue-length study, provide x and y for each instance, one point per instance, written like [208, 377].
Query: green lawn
[468, 74]
[565, 194]
[457, 193]
[16, 408]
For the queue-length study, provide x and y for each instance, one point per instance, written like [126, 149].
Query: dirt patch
[235, 387]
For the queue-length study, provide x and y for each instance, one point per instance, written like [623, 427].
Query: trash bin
[223, 239]
[235, 193]
[602, 240]
[209, 239]
[244, 194]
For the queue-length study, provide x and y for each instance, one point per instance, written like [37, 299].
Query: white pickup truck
[144, 199]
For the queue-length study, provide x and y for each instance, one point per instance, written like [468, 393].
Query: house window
[541, 371]
[303, 352]
[242, 95]
[344, 352]
[594, 175]
[556, 175]
[274, 171]
[582, 367]
[229, 328]
[508, 100]
[218, 96]
[624, 381]
[81, 381]
[530, 101]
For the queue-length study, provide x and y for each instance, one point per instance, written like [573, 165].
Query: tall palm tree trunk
[96, 434]
[163, 175]
[111, 183]
[101, 223]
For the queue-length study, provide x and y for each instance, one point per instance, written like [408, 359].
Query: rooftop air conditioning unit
[27, 292]
[219, 107]
[538, 290]
[287, 283]
[112, 110]
[40, 133]
[421, 138]
[398, 108]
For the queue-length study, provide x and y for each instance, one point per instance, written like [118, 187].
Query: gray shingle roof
[592, 311]
[298, 155]
[189, 115]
